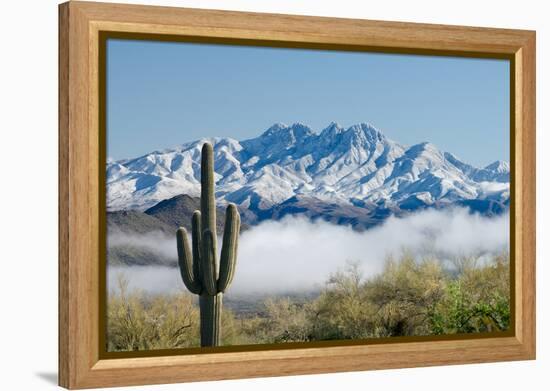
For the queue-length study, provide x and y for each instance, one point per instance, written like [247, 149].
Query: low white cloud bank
[295, 254]
[149, 279]
[156, 242]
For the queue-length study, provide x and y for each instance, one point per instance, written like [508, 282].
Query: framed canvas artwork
[251, 195]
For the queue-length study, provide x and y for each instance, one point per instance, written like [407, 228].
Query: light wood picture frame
[83, 26]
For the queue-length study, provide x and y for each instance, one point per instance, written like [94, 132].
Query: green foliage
[476, 301]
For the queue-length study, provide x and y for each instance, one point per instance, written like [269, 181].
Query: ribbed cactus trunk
[211, 319]
[200, 270]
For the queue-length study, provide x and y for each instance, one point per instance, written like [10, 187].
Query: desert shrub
[343, 310]
[138, 322]
[411, 298]
[280, 320]
[402, 295]
[478, 300]
[230, 332]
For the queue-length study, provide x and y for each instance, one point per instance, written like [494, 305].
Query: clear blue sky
[163, 94]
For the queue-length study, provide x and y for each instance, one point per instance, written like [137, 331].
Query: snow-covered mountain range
[349, 168]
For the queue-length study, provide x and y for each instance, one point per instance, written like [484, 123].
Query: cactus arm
[185, 262]
[196, 234]
[208, 263]
[208, 201]
[229, 247]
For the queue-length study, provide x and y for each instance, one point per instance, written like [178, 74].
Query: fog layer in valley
[297, 255]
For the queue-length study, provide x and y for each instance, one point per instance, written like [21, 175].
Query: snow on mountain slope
[353, 166]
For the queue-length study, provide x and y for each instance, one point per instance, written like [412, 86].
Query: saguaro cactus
[200, 271]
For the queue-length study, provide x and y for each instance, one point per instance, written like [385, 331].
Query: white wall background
[28, 193]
